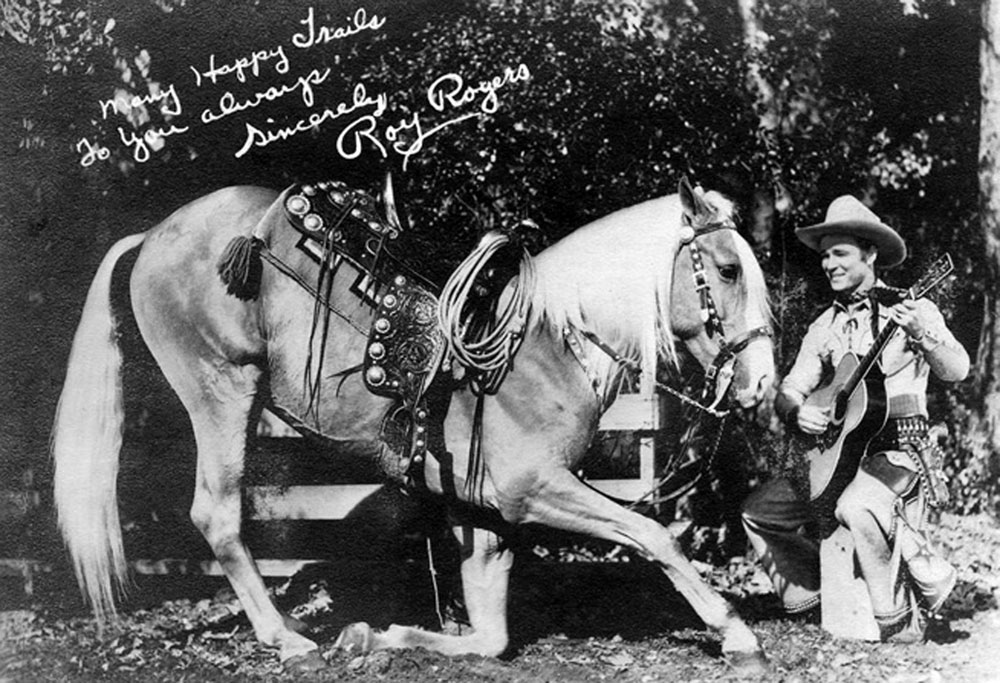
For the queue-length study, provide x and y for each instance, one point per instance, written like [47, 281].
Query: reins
[720, 366]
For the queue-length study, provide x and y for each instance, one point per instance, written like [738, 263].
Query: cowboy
[883, 505]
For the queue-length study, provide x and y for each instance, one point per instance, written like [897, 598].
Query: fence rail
[640, 413]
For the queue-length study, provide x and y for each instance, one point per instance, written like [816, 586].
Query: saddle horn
[389, 203]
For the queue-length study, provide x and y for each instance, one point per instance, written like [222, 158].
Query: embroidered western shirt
[847, 328]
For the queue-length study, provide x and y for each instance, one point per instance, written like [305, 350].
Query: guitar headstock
[939, 270]
[936, 272]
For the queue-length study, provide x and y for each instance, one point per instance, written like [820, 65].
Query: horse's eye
[729, 273]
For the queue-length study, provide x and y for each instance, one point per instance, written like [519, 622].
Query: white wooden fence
[640, 413]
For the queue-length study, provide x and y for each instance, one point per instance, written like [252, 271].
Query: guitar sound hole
[839, 407]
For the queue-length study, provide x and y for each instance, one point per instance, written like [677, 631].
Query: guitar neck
[865, 364]
[935, 274]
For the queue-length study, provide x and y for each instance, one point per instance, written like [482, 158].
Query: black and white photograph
[500, 340]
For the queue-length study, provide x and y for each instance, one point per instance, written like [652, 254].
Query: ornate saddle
[408, 341]
[405, 343]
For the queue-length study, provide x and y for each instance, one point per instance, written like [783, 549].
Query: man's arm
[926, 328]
[801, 381]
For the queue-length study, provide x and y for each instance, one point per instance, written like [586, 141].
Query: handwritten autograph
[408, 136]
[360, 114]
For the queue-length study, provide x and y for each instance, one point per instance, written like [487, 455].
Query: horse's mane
[613, 277]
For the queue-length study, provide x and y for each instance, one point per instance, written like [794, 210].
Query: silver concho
[312, 222]
[298, 205]
[375, 375]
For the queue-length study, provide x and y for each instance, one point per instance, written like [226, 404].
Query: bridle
[721, 366]
[720, 371]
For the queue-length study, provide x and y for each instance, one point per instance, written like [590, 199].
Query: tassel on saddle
[240, 267]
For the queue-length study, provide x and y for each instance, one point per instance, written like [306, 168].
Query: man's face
[848, 267]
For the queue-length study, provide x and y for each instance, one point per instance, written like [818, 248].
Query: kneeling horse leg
[564, 502]
[486, 566]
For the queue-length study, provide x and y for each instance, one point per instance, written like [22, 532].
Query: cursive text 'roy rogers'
[451, 90]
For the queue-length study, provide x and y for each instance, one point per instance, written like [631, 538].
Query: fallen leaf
[620, 660]
[844, 659]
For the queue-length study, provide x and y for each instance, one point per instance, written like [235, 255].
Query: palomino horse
[638, 282]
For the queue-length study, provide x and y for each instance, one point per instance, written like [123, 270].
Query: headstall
[728, 349]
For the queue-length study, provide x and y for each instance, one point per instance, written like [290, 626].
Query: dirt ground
[572, 621]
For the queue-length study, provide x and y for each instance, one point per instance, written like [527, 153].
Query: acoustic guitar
[858, 407]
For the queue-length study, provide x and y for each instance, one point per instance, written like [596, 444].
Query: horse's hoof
[357, 637]
[308, 662]
[748, 664]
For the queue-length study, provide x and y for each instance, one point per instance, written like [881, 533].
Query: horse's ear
[389, 202]
[688, 199]
[692, 198]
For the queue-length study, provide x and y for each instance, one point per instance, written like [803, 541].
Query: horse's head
[719, 303]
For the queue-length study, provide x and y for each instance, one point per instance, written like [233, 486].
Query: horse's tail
[86, 439]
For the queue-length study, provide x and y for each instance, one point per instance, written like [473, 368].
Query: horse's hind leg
[486, 565]
[563, 502]
[220, 403]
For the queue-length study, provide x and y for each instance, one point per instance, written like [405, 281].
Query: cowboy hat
[848, 216]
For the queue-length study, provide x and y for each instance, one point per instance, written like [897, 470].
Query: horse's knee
[217, 525]
[201, 516]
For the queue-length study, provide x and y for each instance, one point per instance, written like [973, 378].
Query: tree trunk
[766, 200]
[988, 361]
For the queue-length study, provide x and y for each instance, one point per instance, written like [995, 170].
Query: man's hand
[813, 419]
[907, 315]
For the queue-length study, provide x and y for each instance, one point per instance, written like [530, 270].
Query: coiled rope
[487, 350]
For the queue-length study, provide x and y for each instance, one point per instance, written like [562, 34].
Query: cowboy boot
[932, 576]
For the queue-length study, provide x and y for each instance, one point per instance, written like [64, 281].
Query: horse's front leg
[563, 502]
[220, 432]
[486, 566]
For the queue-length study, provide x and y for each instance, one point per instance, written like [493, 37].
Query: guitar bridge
[827, 439]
